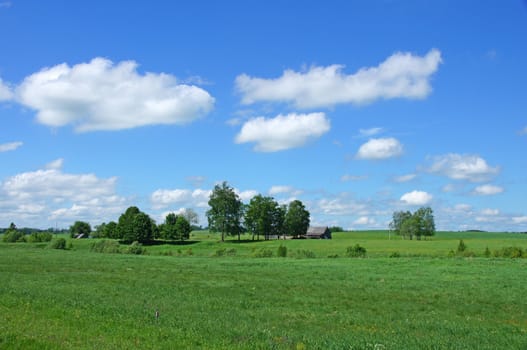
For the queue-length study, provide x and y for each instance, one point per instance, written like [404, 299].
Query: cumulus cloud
[404, 178]
[416, 198]
[284, 131]
[381, 148]
[487, 190]
[364, 220]
[402, 75]
[164, 198]
[462, 167]
[101, 95]
[5, 92]
[51, 195]
[11, 146]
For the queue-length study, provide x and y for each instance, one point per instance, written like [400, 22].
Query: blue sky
[357, 108]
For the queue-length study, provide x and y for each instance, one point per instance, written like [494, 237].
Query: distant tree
[182, 228]
[419, 224]
[110, 230]
[336, 229]
[427, 227]
[263, 216]
[125, 223]
[190, 215]
[226, 211]
[169, 230]
[12, 234]
[80, 228]
[296, 219]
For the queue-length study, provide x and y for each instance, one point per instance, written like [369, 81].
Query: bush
[12, 236]
[461, 247]
[136, 248]
[395, 255]
[304, 253]
[282, 251]
[356, 251]
[59, 243]
[487, 253]
[37, 237]
[220, 252]
[510, 252]
[263, 253]
[105, 246]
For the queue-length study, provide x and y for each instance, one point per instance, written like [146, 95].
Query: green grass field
[78, 299]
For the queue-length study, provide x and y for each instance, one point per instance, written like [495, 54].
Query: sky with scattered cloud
[358, 109]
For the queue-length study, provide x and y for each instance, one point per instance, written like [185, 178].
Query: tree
[169, 231]
[419, 224]
[80, 228]
[134, 225]
[182, 228]
[190, 215]
[264, 216]
[296, 219]
[226, 211]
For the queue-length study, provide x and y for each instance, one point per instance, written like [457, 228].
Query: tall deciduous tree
[264, 216]
[226, 211]
[134, 225]
[296, 219]
[419, 224]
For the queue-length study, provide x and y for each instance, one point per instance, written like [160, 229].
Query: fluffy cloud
[164, 198]
[5, 92]
[462, 167]
[416, 198]
[487, 190]
[289, 190]
[101, 95]
[49, 196]
[401, 75]
[364, 220]
[382, 148]
[284, 131]
[11, 146]
[405, 178]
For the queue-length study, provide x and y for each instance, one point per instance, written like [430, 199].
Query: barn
[318, 232]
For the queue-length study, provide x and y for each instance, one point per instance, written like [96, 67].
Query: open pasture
[77, 299]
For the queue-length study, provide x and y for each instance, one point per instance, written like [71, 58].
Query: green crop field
[213, 295]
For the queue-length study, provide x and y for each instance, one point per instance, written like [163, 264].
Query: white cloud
[348, 177]
[284, 131]
[370, 132]
[490, 212]
[462, 167]
[11, 146]
[381, 148]
[520, 219]
[164, 198]
[401, 75]
[364, 220]
[49, 196]
[341, 207]
[5, 92]
[463, 207]
[289, 190]
[405, 178]
[487, 190]
[416, 198]
[56, 164]
[101, 95]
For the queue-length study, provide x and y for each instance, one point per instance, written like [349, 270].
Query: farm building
[316, 232]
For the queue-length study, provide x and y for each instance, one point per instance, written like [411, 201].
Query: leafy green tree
[125, 223]
[182, 228]
[296, 219]
[134, 225]
[13, 235]
[226, 211]
[263, 216]
[80, 228]
[169, 227]
[427, 226]
[419, 224]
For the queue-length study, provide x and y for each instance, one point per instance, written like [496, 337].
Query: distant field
[77, 299]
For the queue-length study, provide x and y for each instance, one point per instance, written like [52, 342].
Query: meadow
[213, 295]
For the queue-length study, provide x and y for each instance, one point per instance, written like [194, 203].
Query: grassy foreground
[52, 299]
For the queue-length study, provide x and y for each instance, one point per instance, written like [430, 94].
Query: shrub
[263, 253]
[461, 247]
[395, 255]
[136, 248]
[333, 256]
[510, 252]
[487, 253]
[105, 246]
[219, 252]
[37, 237]
[189, 252]
[356, 251]
[12, 236]
[468, 254]
[304, 253]
[59, 243]
[282, 251]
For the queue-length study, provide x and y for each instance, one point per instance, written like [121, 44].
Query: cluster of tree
[135, 225]
[30, 230]
[263, 216]
[13, 235]
[419, 224]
